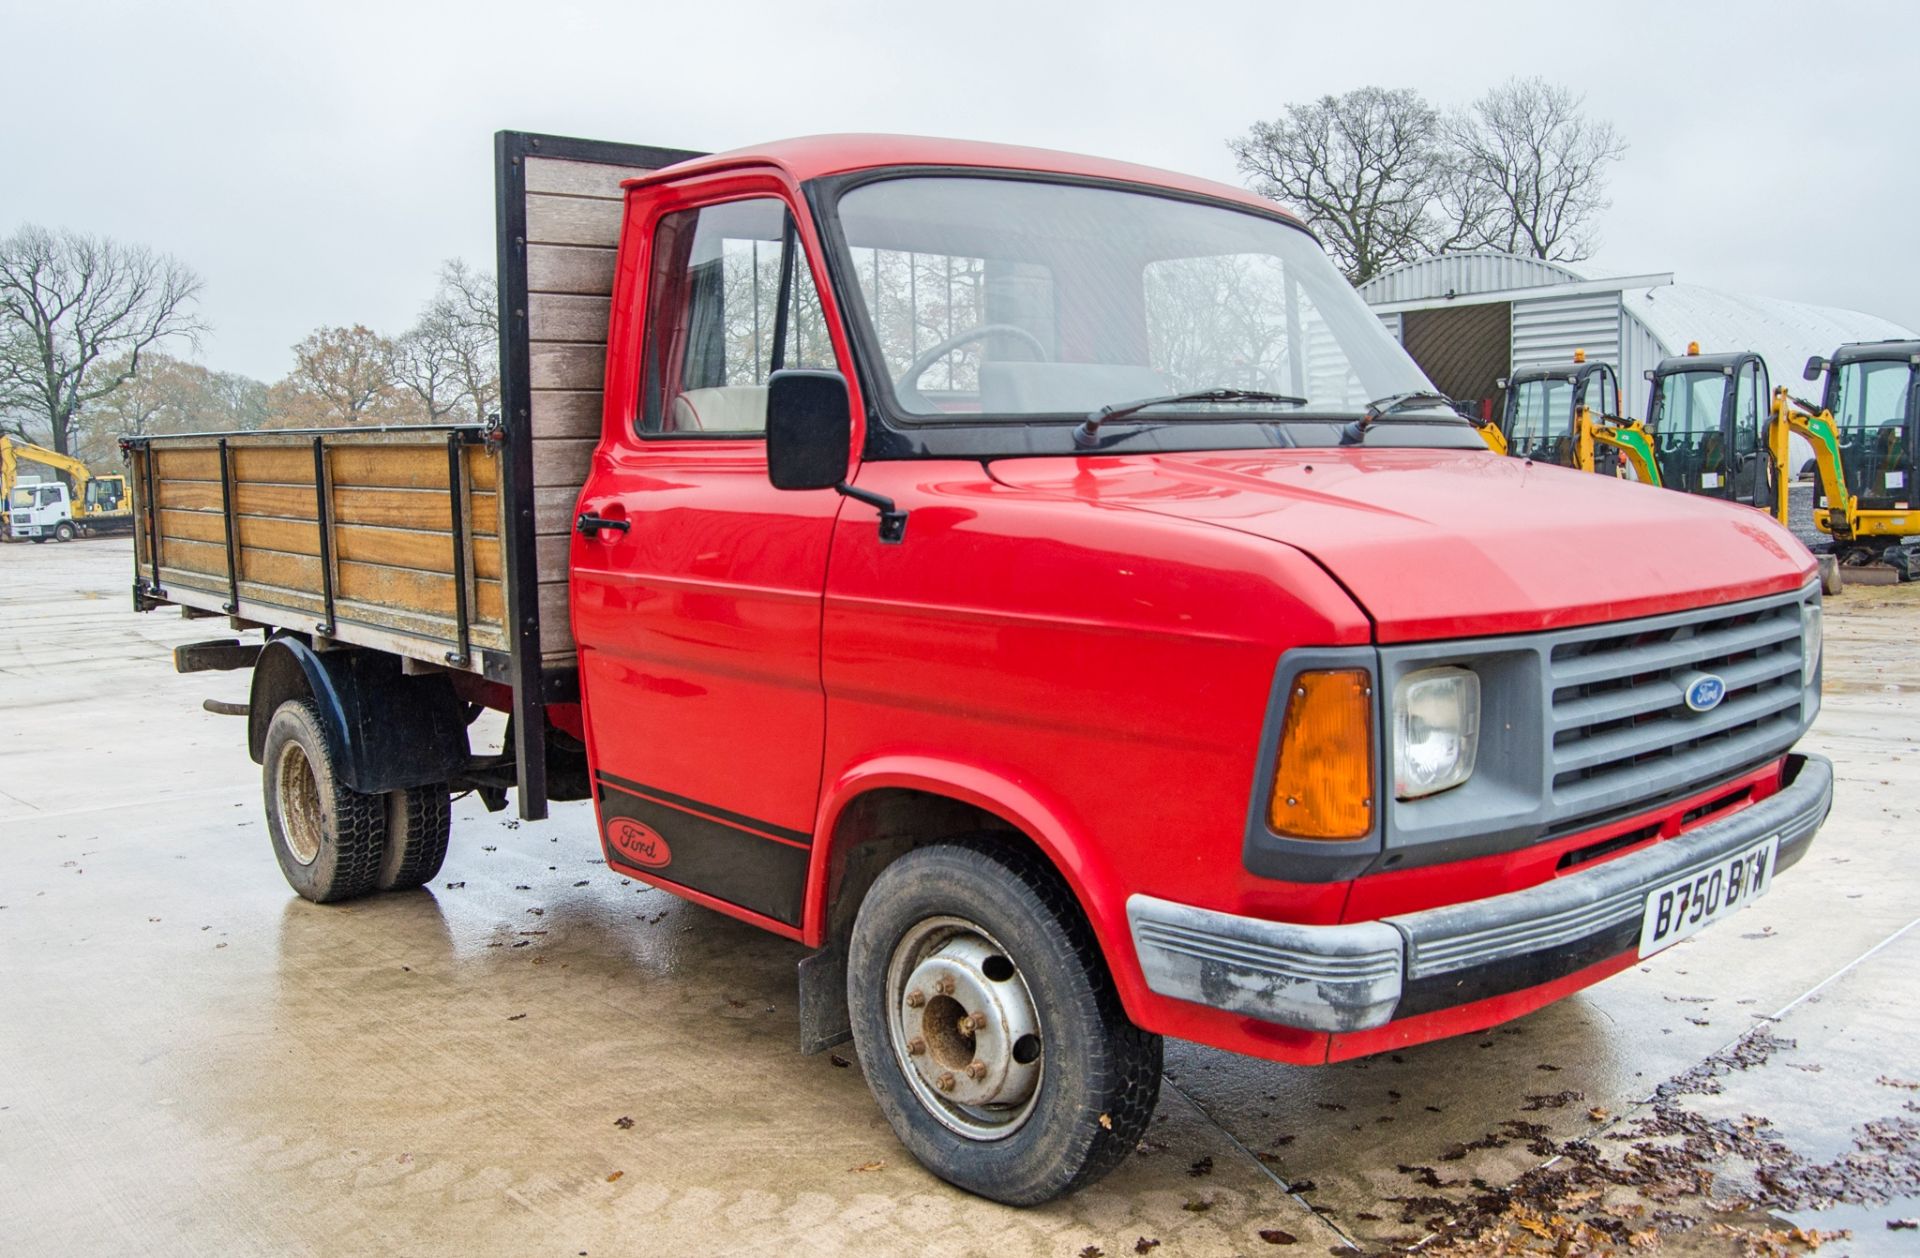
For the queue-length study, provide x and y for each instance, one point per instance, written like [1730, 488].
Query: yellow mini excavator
[1863, 432]
[1568, 415]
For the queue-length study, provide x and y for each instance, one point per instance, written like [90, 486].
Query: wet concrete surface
[192, 1059]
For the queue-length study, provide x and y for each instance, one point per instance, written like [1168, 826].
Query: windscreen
[1542, 424]
[1686, 430]
[1006, 299]
[1870, 413]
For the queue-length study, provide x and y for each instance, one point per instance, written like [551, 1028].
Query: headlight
[1436, 730]
[1811, 633]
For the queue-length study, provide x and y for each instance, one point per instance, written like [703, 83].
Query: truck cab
[41, 511]
[1040, 587]
[1872, 392]
[1708, 416]
[1537, 418]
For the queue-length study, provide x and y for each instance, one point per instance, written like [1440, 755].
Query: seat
[739, 408]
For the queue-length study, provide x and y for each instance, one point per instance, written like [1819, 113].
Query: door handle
[587, 524]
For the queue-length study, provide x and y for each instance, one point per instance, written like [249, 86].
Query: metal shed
[1469, 319]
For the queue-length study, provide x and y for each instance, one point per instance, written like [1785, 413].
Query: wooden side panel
[389, 550]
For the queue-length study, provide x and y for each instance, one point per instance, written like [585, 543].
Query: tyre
[329, 838]
[39, 541]
[989, 1028]
[65, 532]
[419, 819]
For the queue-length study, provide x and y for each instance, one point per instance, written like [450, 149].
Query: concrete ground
[536, 1056]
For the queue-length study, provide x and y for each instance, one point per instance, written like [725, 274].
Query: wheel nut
[916, 998]
[916, 1046]
[945, 1081]
[973, 1022]
[945, 985]
[976, 1070]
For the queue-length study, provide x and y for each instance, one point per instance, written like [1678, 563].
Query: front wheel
[989, 1028]
[64, 532]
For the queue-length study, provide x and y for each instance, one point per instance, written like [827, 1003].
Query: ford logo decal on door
[1704, 692]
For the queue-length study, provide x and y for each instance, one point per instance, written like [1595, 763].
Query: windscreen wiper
[1086, 434]
[1356, 432]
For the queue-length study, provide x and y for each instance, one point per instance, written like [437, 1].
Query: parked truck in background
[1036, 585]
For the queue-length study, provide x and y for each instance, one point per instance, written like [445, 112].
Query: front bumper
[1362, 975]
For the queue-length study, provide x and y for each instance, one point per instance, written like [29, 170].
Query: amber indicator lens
[1323, 783]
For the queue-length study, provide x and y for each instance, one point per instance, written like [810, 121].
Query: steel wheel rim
[933, 1046]
[297, 796]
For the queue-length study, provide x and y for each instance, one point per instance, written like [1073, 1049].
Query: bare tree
[1364, 169]
[70, 304]
[458, 336]
[426, 363]
[1537, 164]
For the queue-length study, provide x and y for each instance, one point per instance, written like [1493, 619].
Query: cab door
[1750, 471]
[696, 586]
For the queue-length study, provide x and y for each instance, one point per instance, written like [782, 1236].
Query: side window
[730, 300]
[1746, 410]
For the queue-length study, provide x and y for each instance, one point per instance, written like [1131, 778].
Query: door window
[730, 300]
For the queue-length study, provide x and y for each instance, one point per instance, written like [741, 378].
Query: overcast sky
[316, 163]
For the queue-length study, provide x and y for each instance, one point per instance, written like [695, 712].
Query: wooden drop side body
[382, 538]
[443, 544]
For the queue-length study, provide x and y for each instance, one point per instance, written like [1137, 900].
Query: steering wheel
[904, 383]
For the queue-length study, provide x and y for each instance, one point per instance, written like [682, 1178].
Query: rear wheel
[988, 1026]
[329, 838]
[419, 820]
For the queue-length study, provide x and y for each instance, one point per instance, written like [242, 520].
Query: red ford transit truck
[1038, 586]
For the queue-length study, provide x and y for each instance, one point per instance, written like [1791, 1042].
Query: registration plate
[1689, 905]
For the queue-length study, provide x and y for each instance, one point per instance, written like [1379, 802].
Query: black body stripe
[726, 815]
[717, 859]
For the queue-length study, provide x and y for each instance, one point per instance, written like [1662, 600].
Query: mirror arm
[893, 521]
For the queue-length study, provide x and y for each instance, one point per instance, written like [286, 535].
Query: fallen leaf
[623, 1123]
[1146, 1245]
[1202, 1167]
[1646, 1239]
[868, 1166]
[1274, 1236]
[515, 1017]
[838, 1060]
[614, 1175]
[1197, 1206]
[1598, 1115]
[1093, 1251]
[1106, 1121]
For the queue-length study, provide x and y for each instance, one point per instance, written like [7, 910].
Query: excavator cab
[1708, 415]
[1873, 394]
[106, 495]
[1538, 418]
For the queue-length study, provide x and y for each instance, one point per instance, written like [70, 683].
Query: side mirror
[1815, 366]
[809, 426]
[1501, 383]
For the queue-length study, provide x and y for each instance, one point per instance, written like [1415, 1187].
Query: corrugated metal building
[1469, 319]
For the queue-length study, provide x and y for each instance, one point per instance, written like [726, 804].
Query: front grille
[1619, 715]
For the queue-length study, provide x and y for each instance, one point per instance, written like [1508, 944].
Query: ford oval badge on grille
[1704, 691]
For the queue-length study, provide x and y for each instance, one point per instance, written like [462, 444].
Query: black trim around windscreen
[893, 434]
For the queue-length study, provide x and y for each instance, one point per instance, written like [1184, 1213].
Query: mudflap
[824, 1020]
